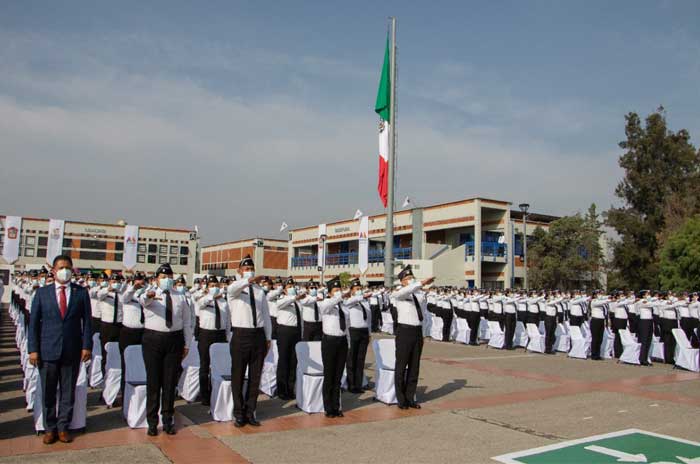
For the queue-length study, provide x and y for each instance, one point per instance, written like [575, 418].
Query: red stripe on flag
[383, 186]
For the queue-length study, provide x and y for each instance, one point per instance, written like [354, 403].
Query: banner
[10, 250]
[321, 246]
[55, 242]
[363, 237]
[131, 243]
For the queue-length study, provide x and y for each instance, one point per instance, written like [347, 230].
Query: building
[269, 255]
[97, 246]
[475, 242]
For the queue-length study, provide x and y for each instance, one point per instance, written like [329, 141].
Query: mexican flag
[382, 108]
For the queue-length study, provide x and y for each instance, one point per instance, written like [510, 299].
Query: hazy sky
[236, 116]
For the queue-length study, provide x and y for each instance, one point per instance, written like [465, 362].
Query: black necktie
[217, 314]
[418, 309]
[364, 312]
[341, 318]
[116, 307]
[168, 309]
[298, 311]
[253, 309]
[143, 316]
[315, 311]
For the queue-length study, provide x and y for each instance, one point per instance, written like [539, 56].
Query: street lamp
[524, 207]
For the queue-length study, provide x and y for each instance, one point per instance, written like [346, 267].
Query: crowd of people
[62, 309]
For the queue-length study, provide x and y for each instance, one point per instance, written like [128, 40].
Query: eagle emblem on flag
[55, 233]
[131, 240]
[12, 233]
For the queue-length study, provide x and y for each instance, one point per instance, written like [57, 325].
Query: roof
[534, 217]
[68, 221]
[244, 240]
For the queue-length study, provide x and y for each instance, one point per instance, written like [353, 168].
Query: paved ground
[477, 403]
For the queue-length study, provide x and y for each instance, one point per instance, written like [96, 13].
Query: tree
[345, 279]
[659, 167]
[569, 255]
[680, 258]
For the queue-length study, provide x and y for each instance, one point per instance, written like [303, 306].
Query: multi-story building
[476, 242]
[97, 246]
[269, 255]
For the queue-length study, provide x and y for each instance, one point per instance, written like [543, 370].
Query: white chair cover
[606, 348]
[31, 383]
[630, 347]
[220, 369]
[309, 382]
[536, 343]
[580, 347]
[657, 348]
[96, 376]
[436, 327]
[686, 355]
[79, 406]
[113, 379]
[520, 339]
[484, 332]
[134, 408]
[387, 323]
[562, 341]
[188, 385]
[268, 380]
[498, 337]
[385, 359]
[463, 331]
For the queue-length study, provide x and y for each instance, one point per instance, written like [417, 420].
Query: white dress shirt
[58, 294]
[405, 305]
[308, 312]
[207, 313]
[131, 309]
[239, 297]
[331, 310]
[105, 299]
[154, 312]
[353, 307]
[288, 308]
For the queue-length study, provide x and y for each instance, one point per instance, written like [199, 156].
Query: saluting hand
[428, 281]
[151, 294]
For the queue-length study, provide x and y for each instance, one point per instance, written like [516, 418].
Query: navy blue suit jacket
[55, 338]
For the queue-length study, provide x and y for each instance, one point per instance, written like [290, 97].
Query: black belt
[163, 334]
[248, 330]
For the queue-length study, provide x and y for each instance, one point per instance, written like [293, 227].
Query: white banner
[13, 227]
[321, 246]
[131, 243]
[363, 237]
[55, 243]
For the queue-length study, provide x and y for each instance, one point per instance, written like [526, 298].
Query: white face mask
[165, 283]
[337, 294]
[64, 275]
[248, 274]
[292, 291]
[358, 293]
[213, 291]
[266, 288]
[313, 292]
[116, 286]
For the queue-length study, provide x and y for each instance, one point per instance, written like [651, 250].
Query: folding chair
[498, 337]
[520, 339]
[188, 385]
[657, 349]
[686, 356]
[268, 380]
[96, 376]
[463, 331]
[630, 347]
[309, 382]
[436, 327]
[134, 407]
[220, 368]
[79, 406]
[606, 348]
[562, 342]
[387, 323]
[484, 332]
[113, 378]
[536, 344]
[385, 359]
[580, 347]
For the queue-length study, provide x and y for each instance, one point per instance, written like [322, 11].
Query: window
[118, 256]
[119, 246]
[140, 258]
[162, 259]
[173, 250]
[151, 259]
[183, 261]
[142, 248]
[93, 244]
[30, 240]
[67, 243]
[184, 251]
[152, 248]
[29, 252]
[163, 249]
[93, 255]
[173, 260]
[43, 241]
[41, 253]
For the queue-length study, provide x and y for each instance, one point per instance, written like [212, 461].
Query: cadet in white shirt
[273, 292]
[312, 331]
[334, 347]
[599, 316]
[250, 340]
[95, 285]
[166, 340]
[410, 309]
[360, 317]
[110, 304]
[214, 327]
[288, 335]
[510, 308]
[645, 328]
[133, 318]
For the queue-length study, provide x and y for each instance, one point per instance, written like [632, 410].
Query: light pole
[524, 207]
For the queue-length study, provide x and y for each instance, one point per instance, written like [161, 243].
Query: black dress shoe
[403, 406]
[339, 414]
[169, 428]
[239, 423]
[414, 405]
[206, 403]
[254, 422]
[152, 431]
[330, 415]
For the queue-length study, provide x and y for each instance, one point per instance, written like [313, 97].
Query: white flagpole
[389, 244]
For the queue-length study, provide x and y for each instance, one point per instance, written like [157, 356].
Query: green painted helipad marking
[630, 445]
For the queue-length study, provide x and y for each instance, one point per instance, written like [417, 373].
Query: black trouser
[206, 339]
[334, 351]
[618, 324]
[447, 315]
[61, 374]
[657, 325]
[510, 321]
[550, 330]
[96, 324]
[313, 331]
[376, 317]
[576, 320]
[359, 340]
[248, 350]
[521, 316]
[634, 322]
[409, 346]
[597, 329]
[688, 325]
[394, 317]
[474, 320]
[560, 317]
[644, 335]
[287, 339]
[162, 355]
[533, 318]
[128, 337]
[273, 324]
[667, 325]
[460, 313]
[108, 333]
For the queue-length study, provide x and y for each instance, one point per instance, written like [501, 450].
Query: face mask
[139, 292]
[35, 282]
[313, 292]
[248, 274]
[104, 284]
[64, 275]
[116, 286]
[292, 291]
[213, 291]
[42, 282]
[411, 282]
[337, 294]
[92, 283]
[266, 288]
[358, 293]
[165, 283]
[180, 289]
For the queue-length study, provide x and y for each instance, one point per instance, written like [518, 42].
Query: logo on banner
[131, 240]
[363, 235]
[12, 233]
[55, 233]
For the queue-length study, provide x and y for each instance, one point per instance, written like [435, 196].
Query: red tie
[62, 303]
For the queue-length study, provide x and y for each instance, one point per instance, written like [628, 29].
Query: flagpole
[389, 244]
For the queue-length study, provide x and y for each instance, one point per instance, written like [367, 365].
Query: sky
[236, 116]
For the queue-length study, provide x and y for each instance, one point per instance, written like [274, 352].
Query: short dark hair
[62, 258]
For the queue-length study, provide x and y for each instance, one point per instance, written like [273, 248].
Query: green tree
[569, 255]
[680, 258]
[659, 167]
[345, 279]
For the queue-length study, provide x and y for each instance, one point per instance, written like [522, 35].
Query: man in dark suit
[59, 339]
